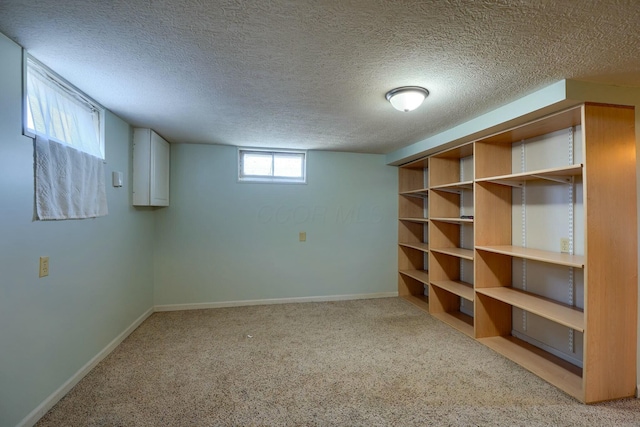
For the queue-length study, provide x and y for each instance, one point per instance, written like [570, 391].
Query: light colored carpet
[376, 362]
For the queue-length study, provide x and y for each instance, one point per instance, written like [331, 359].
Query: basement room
[319, 213]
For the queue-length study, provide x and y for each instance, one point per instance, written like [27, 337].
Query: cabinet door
[159, 191]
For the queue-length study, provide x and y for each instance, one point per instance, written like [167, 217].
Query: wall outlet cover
[44, 266]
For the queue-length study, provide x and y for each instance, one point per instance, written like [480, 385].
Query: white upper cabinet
[150, 168]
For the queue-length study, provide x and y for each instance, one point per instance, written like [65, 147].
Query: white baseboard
[50, 401]
[204, 305]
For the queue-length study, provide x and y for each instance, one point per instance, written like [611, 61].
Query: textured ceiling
[313, 74]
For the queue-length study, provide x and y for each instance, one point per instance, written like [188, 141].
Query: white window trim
[271, 179]
[65, 85]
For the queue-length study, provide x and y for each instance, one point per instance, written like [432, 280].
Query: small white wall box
[117, 178]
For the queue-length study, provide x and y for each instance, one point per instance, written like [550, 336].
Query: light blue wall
[221, 240]
[100, 279]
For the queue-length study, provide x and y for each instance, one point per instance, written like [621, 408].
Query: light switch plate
[116, 178]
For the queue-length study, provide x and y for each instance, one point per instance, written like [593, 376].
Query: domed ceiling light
[407, 98]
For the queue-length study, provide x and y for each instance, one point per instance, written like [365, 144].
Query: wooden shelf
[424, 247]
[421, 193]
[456, 252]
[419, 275]
[562, 175]
[607, 288]
[413, 197]
[420, 220]
[539, 127]
[536, 255]
[461, 289]
[454, 220]
[447, 168]
[543, 307]
[420, 301]
[417, 164]
[556, 371]
[459, 152]
[456, 187]
[457, 320]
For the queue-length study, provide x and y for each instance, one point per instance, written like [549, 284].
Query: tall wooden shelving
[413, 245]
[605, 317]
[449, 187]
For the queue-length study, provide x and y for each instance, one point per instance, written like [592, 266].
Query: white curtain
[69, 153]
[70, 184]
[60, 113]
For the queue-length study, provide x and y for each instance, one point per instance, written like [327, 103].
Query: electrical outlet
[564, 245]
[44, 266]
[303, 236]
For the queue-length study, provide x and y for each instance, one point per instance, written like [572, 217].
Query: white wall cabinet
[150, 168]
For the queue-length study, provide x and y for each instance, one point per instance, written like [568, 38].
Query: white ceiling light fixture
[407, 98]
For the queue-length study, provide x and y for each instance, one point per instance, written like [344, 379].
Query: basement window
[69, 152]
[274, 166]
[54, 109]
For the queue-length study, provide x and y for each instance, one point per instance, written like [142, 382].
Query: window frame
[64, 86]
[271, 179]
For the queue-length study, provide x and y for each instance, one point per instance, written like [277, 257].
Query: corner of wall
[65, 388]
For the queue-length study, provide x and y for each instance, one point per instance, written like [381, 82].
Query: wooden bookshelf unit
[451, 232]
[413, 246]
[500, 209]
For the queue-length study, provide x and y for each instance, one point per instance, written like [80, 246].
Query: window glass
[271, 166]
[257, 164]
[286, 165]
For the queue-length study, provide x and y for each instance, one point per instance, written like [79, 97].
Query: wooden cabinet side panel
[492, 223]
[441, 301]
[443, 204]
[408, 286]
[491, 269]
[141, 166]
[443, 267]
[410, 232]
[410, 259]
[492, 159]
[444, 235]
[492, 317]
[443, 171]
[410, 207]
[611, 298]
[410, 179]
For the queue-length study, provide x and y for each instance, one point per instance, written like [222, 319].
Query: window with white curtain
[58, 111]
[67, 128]
[262, 165]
